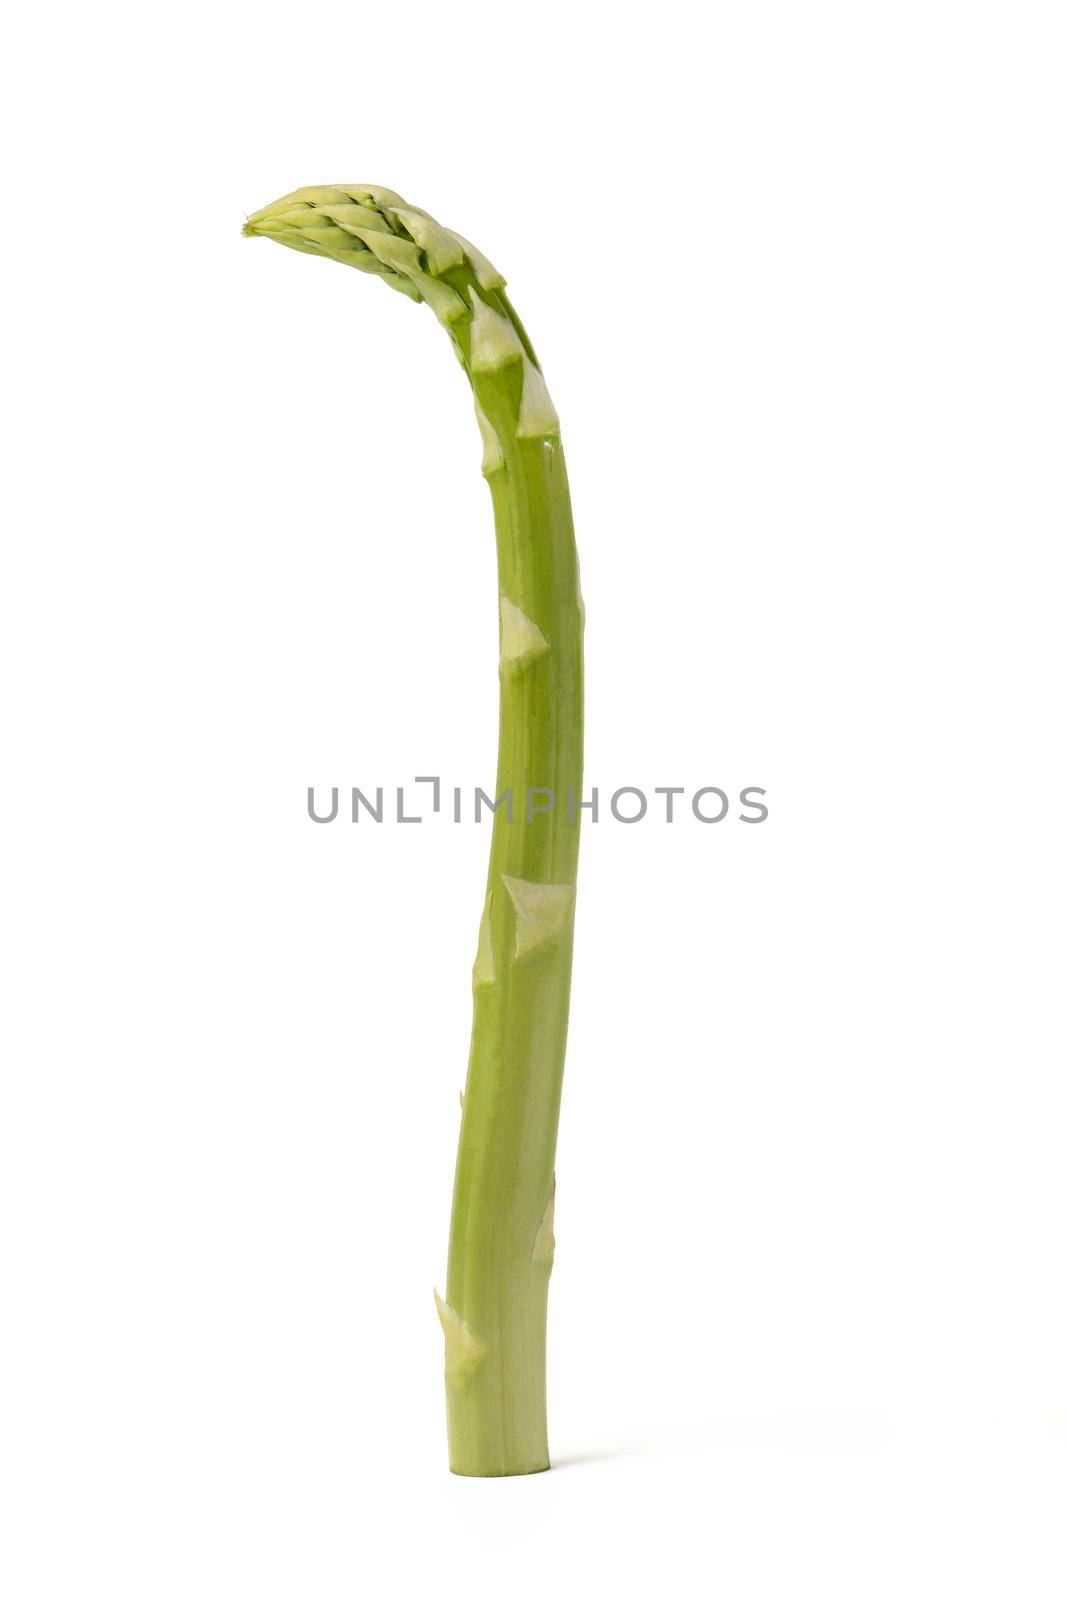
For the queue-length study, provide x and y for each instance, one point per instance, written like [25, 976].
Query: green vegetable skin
[501, 1244]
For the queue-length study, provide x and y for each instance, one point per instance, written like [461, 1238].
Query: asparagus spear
[501, 1242]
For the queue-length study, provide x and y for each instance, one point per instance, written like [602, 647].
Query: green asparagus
[501, 1242]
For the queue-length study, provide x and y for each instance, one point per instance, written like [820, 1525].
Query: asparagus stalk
[501, 1242]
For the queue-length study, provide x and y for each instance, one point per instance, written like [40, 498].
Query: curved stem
[500, 1251]
[501, 1241]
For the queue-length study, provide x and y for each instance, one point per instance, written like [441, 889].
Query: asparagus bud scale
[501, 1241]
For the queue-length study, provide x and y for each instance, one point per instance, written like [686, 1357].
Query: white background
[796, 276]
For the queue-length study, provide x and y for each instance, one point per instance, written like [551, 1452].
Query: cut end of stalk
[499, 1472]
